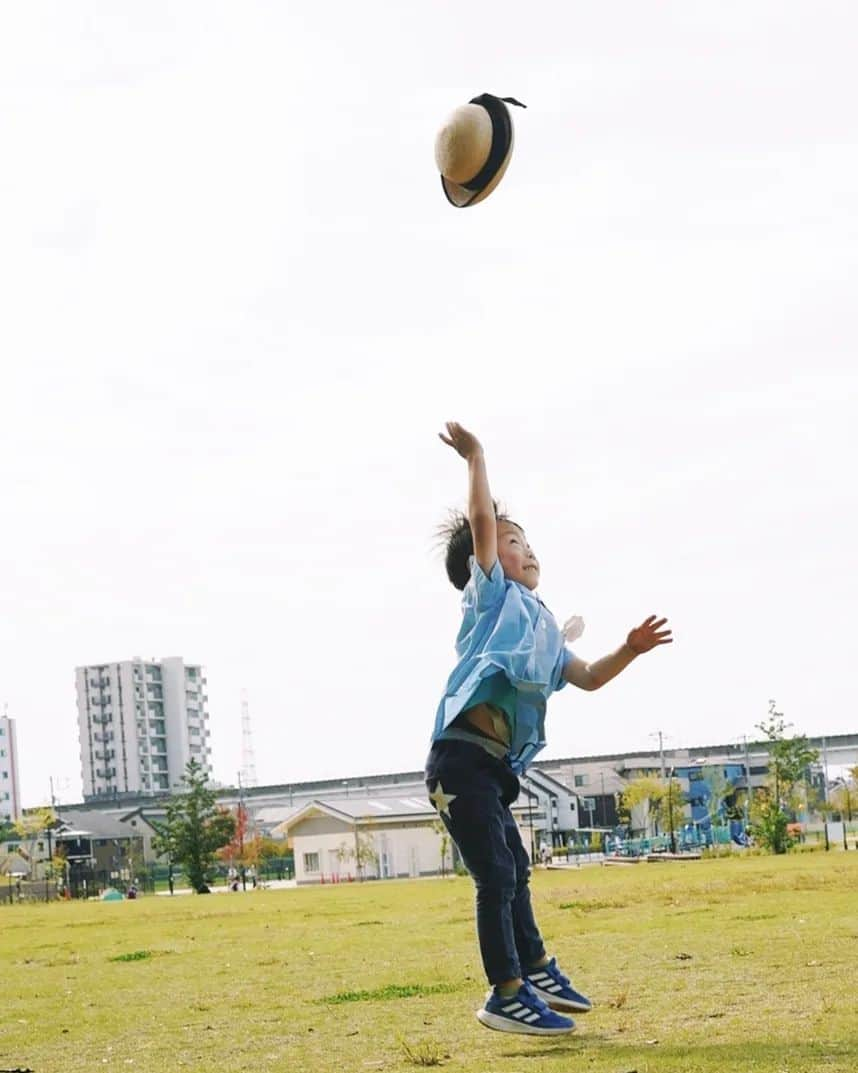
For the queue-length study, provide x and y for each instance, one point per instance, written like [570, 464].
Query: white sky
[236, 309]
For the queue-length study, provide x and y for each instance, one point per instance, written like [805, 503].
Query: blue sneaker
[524, 1012]
[556, 990]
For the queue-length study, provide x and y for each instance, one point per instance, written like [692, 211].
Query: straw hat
[473, 148]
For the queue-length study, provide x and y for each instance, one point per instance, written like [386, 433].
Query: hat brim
[463, 198]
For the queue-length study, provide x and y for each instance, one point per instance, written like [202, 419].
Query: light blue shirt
[506, 627]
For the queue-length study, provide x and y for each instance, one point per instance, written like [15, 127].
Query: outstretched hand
[572, 628]
[649, 635]
[466, 443]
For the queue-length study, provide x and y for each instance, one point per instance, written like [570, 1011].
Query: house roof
[543, 779]
[361, 811]
[370, 811]
[271, 815]
[90, 824]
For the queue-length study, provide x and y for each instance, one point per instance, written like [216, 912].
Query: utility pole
[747, 786]
[658, 734]
[670, 809]
[825, 790]
[241, 816]
[49, 871]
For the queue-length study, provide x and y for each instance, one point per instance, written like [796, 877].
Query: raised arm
[481, 509]
[650, 634]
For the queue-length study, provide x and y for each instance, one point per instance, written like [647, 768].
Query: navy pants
[472, 791]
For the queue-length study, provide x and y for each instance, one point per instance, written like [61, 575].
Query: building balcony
[105, 773]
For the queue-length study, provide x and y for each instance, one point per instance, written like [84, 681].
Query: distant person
[490, 725]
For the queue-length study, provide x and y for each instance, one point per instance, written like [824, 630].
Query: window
[580, 780]
[311, 862]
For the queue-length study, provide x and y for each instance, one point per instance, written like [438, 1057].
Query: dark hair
[458, 540]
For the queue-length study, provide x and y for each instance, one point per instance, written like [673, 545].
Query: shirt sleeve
[486, 590]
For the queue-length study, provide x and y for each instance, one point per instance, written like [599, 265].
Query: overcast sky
[236, 310]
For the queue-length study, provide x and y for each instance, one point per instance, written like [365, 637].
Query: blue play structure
[696, 832]
[697, 798]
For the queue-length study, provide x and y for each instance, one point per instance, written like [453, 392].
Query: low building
[344, 839]
[364, 838]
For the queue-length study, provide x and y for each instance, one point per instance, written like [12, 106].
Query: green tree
[659, 797]
[37, 825]
[444, 837]
[271, 849]
[769, 822]
[361, 850]
[195, 829]
[844, 798]
[776, 805]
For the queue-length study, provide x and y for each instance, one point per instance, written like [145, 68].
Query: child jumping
[489, 726]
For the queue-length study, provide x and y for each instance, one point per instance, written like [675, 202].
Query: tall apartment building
[139, 723]
[10, 794]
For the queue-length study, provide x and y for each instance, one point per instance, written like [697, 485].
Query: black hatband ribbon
[501, 138]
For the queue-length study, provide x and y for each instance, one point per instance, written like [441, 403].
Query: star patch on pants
[442, 801]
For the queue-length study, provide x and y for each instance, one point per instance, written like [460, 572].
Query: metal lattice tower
[248, 763]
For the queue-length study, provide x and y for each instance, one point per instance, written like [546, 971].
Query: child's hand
[573, 628]
[466, 443]
[648, 635]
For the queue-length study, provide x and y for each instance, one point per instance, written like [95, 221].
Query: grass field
[715, 966]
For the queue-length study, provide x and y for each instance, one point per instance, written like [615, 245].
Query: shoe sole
[560, 1004]
[507, 1024]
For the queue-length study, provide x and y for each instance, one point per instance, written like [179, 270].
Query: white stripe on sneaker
[531, 1017]
[523, 1012]
[512, 1007]
[539, 976]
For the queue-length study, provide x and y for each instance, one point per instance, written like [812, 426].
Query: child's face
[515, 555]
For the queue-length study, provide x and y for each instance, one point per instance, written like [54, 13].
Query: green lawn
[716, 966]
